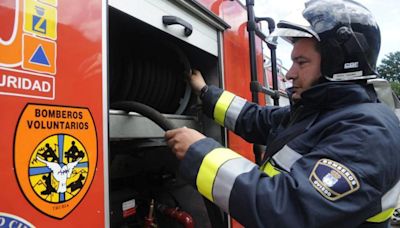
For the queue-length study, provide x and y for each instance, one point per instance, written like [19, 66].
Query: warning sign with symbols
[55, 168]
[40, 19]
[39, 54]
[30, 46]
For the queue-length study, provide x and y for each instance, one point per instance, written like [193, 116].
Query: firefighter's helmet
[348, 36]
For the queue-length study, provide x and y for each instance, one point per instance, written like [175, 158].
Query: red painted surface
[237, 63]
[237, 60]
[77, 76]
[73, 70]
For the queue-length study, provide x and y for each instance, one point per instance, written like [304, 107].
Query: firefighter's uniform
[341, 170]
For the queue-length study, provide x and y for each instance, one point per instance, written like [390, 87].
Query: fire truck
[88, 88]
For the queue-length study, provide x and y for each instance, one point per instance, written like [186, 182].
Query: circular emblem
[58, 168]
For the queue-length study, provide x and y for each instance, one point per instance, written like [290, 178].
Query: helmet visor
[287, 34]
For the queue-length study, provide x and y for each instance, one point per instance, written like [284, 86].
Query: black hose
[145, 110]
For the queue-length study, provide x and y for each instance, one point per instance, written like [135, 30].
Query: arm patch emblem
[333, 180]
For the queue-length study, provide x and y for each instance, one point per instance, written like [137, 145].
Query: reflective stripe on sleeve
[225, 179]
[381, 217]
[222, 106]
[209, 168]
[233, 112]
[286, 157]
[269, 169]
[389, 201]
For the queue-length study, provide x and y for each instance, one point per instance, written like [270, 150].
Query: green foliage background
[389, 69]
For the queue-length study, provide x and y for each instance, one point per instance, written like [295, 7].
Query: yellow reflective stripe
[222, 106]
[209, 168]
[383, 216]
[269, 169]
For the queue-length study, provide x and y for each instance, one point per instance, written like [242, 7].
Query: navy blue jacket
[340, 169]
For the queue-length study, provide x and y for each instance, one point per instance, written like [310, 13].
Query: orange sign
[39, 54]
[55, 156]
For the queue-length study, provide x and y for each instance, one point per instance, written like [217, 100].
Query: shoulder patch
[333, 180]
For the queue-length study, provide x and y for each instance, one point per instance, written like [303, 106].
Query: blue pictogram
[39, 57]
[39, 21]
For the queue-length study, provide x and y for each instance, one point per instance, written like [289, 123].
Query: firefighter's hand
[180, 139]
[197, 81]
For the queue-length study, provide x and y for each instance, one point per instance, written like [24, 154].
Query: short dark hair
[317, 45]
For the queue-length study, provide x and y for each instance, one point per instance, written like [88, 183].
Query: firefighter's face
[306, 68]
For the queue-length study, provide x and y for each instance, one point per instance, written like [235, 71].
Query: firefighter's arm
[315, 193]
[248, 120]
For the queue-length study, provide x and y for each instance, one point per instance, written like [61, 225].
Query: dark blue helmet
[348, 36]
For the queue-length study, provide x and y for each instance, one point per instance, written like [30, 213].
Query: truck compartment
[150, 66]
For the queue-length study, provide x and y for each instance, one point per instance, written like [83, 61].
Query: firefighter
[332, 157]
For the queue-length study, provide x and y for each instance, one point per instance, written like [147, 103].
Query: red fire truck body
[67, 157]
